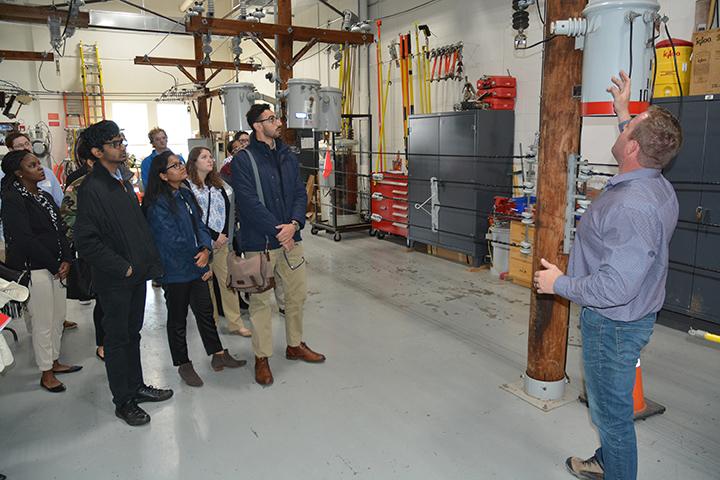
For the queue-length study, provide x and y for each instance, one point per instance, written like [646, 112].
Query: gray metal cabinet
[456, 148]
[693, 285]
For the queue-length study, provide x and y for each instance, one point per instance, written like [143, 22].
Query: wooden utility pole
[202, 104]
[284, 57]
[560, 126]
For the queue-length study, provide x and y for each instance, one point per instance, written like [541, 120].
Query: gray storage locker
[693, 285]
[454, 148]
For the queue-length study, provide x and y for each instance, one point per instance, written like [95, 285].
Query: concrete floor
[417, 348]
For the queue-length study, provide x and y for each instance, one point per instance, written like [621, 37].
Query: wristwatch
[297, 225]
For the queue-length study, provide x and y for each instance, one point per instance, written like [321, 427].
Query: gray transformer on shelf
[302, 96]
[329, 109]
[452, 182]
[238, 98]
[693, 282]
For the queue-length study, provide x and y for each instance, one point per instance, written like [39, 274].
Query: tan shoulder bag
[249, 274]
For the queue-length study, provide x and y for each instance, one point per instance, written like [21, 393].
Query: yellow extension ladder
[92, 80]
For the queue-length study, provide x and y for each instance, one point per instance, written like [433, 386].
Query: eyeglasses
[290, 264]
[271, 119]
[179, 166]
[117, 143]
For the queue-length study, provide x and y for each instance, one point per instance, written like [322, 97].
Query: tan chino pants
[292, 275]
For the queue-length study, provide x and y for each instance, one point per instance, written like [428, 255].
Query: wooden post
[560, 124]
[284, 61]
[202, 109]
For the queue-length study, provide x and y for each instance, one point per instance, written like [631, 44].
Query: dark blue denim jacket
[179, 236]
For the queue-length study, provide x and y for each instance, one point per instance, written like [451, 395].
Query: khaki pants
[280, 292]
[294, 286]
[44, 320]
[228, 297]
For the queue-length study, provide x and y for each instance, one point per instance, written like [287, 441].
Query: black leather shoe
[131, 414]
[148, 393]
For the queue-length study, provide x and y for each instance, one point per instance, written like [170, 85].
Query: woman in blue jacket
[184, 244]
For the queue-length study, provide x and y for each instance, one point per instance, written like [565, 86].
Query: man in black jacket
[111, 234]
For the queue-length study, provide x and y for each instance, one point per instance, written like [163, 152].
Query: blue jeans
[610, 352]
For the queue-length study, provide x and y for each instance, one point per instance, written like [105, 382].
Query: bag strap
[258, 188]
[207, 216]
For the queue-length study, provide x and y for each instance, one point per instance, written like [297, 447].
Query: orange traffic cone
[642, 407]
[639, 404]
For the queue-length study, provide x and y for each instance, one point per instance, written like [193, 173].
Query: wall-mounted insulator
[525, 247]
[236, 48]
[55, 35]
[196, 9]
[258, 14]
[242, 10]
[521, 21]
[572, 27]
[73, 14]
[349, 19]
[527, 217]
[207, 47]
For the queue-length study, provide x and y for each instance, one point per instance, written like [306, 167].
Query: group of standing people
[179, 237]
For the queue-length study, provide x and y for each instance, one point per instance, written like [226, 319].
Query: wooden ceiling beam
[192, 63]
[26, 56]
[224, 27]
[28, 14]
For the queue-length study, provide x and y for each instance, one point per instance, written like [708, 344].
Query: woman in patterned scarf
[35, 239]
[214, 197]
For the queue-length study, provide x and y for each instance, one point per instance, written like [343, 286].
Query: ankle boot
[263, 375]
[222, 360]
[189, 375]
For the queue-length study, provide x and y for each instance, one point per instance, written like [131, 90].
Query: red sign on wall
[53, 116]
[54, 124]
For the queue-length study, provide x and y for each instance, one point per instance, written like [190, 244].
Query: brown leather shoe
[263, 375]
[303, 352]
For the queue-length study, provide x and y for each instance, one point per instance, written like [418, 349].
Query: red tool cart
[389, 200]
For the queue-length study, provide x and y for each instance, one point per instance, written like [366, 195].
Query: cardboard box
[706, 63]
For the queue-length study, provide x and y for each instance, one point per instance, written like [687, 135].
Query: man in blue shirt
[616, 273]
[159, 140]
[271, 216]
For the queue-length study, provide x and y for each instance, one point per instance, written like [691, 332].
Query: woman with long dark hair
[213, 196]
[35, 241]
[185, 245]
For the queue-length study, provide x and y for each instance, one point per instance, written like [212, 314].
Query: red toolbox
[496, 81]
[498, 103]
[389, 200]
[498, 92]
